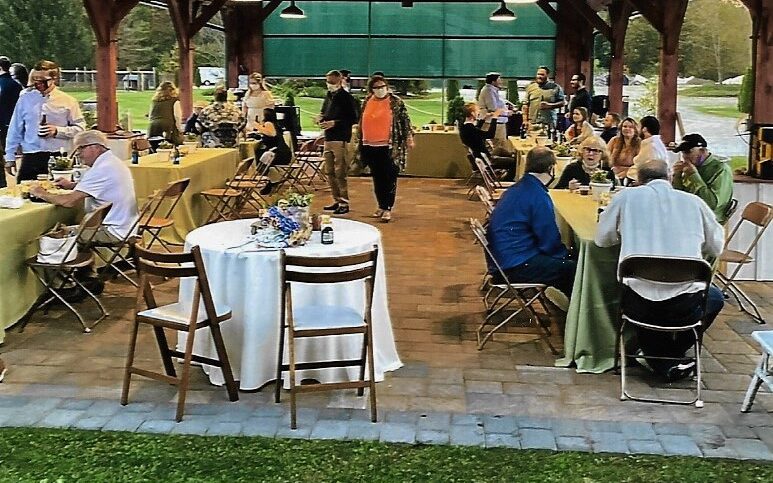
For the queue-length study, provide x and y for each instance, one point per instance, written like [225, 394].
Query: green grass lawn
[721, 111]
[711, 90]
[37, 455]
[138, 103]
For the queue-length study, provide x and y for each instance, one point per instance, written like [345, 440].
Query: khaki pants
[336, 169]
[502, 145]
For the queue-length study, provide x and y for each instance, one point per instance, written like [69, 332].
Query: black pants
[507, 163]
[384, 173]
[681, 310]
[554, 272]
[33, 164]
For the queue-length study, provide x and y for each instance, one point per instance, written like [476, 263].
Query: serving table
[18, 240]
[591, 321]
[248, 281]
[206, 167]
[438, 154]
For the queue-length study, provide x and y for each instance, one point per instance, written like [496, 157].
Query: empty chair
[758, 215]
[317, 321]
[164, 201]
[225, 202]
[55, 276]
[202, 314]
[763, 372]
[664, 271]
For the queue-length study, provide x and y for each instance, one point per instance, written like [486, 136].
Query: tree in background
[58, 30]
[512, 92]
[746, 95]
[452, 89]
[455, 113]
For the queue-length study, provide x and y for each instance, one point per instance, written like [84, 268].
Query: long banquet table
[438, 154]
[18, 241]
[589, 337]
[247, 281]
[206, 167]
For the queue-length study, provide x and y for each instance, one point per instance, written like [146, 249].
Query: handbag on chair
[56, 246]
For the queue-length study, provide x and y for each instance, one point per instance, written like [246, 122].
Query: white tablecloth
[248, 282]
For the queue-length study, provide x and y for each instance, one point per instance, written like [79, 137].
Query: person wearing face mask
[385, 138]
[523, 233]
[338, 114]
[257, 99]
[703, 174]
[593, 157]
[37, 140]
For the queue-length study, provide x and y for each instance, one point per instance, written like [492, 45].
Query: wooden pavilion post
[667, 16]
[244, 37]
[619, 13]
[188, 17]
[105, 16]
[762, 21]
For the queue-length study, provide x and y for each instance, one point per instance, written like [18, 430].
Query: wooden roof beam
[590, 16]
[269, 8]
[207, 12]
[650, 12]
[549, 10]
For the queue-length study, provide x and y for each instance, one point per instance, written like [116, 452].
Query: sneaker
[642, 361]
[332, 207]
[377, 213]
[341, 210]
[680, 371]
[3, 370]
[557, 298]
[387, 216]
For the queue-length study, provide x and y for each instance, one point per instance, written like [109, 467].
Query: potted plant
[599, 183]
[62, 168]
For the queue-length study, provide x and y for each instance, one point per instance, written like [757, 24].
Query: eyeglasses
[40, 81]
[592, 150]
[80, 149]
[379, 86]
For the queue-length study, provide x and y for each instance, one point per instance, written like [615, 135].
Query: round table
[247, 280]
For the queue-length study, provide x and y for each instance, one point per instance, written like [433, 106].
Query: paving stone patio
[448, 392]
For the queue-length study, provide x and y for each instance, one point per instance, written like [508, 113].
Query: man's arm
[543, 224]
[713, 233]
[15, 136]
[718, 187]
[607, 233]
[68, 200]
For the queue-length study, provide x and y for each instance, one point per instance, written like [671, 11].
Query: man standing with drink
[43, 122]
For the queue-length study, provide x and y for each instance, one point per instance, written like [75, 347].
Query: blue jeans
[555, 272]
[681, 310]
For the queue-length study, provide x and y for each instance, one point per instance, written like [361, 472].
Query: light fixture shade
[521, 1]
[292, 11]
[502, 14]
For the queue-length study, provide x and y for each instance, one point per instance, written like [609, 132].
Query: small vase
[63, 173]
[598, 188]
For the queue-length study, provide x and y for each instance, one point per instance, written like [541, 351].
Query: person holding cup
[592, 157]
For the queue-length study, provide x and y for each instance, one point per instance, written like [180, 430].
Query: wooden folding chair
[202, 314]
[505, 293]
[316, 321]
[759, 215]
[153, 223]
[54, 276]
[225, 201]
[309, 155]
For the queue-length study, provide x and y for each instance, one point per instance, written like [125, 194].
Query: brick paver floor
[508, 394]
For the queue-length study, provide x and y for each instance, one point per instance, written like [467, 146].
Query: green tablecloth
[206, 167]
[19, 288]
[438, 154]
[590, 333]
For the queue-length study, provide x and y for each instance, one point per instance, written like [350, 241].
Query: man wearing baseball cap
[703, 174]
[108, 180]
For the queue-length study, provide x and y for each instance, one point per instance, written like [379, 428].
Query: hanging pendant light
[522, 2]
[502, 14]
[292, 11]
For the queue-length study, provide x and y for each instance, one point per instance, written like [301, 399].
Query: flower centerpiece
[599, 183]
[562, 150]
[285, 222]
[61, 167]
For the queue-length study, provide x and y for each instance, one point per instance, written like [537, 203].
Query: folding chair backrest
[173, 265]
[666, 270]
[758, 214]
[169, 197]
[487, 180]
[243, 168]
[264, 163]
[485, 198]
[480, 235]
[731, 209]
[352, 267]
[226, 132]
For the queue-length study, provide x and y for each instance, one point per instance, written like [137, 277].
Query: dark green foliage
[452, 89]
[315, 91]
[746, 95]
[35, 455]
[455, 113]
[290, 99]
[512, 91]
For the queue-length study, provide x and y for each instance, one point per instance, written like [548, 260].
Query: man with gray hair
[656, 220]
[43, 122]
[108, 180]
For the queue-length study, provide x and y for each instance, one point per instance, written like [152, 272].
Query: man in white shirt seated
[108, 180]
[655, 220]
[651, 147]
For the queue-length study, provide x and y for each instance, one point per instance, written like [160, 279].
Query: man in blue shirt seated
[522, 229]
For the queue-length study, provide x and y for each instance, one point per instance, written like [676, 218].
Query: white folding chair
[763, 372]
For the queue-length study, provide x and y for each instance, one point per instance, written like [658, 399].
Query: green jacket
[713, 183]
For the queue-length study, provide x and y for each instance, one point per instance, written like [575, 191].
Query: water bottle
[135, 156]
[51, 166]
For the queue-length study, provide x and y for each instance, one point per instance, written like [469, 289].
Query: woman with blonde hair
[592, 157]
[624, 147]
[257, 99]
[580, 130]
[166, 115]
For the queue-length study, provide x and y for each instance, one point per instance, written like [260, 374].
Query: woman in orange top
[623, 147]
[385, 137]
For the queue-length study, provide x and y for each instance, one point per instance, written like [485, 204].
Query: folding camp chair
[153, 223]
[309, 155]
[55, 276]
[225, 202]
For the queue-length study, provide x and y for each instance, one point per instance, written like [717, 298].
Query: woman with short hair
[166, 113]
[592, 156]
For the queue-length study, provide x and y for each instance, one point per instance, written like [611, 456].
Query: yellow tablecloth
[18, 241]
[438, 154]
[207, 168]
[522, 148]
[589, 336]
[247, 149]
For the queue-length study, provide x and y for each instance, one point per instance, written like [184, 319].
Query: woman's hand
[574, 185]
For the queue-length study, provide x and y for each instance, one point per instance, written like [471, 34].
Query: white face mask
[381, 92]
[332, 87]
[254, 86]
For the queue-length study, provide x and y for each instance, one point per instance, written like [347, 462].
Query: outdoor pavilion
[243, 22]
